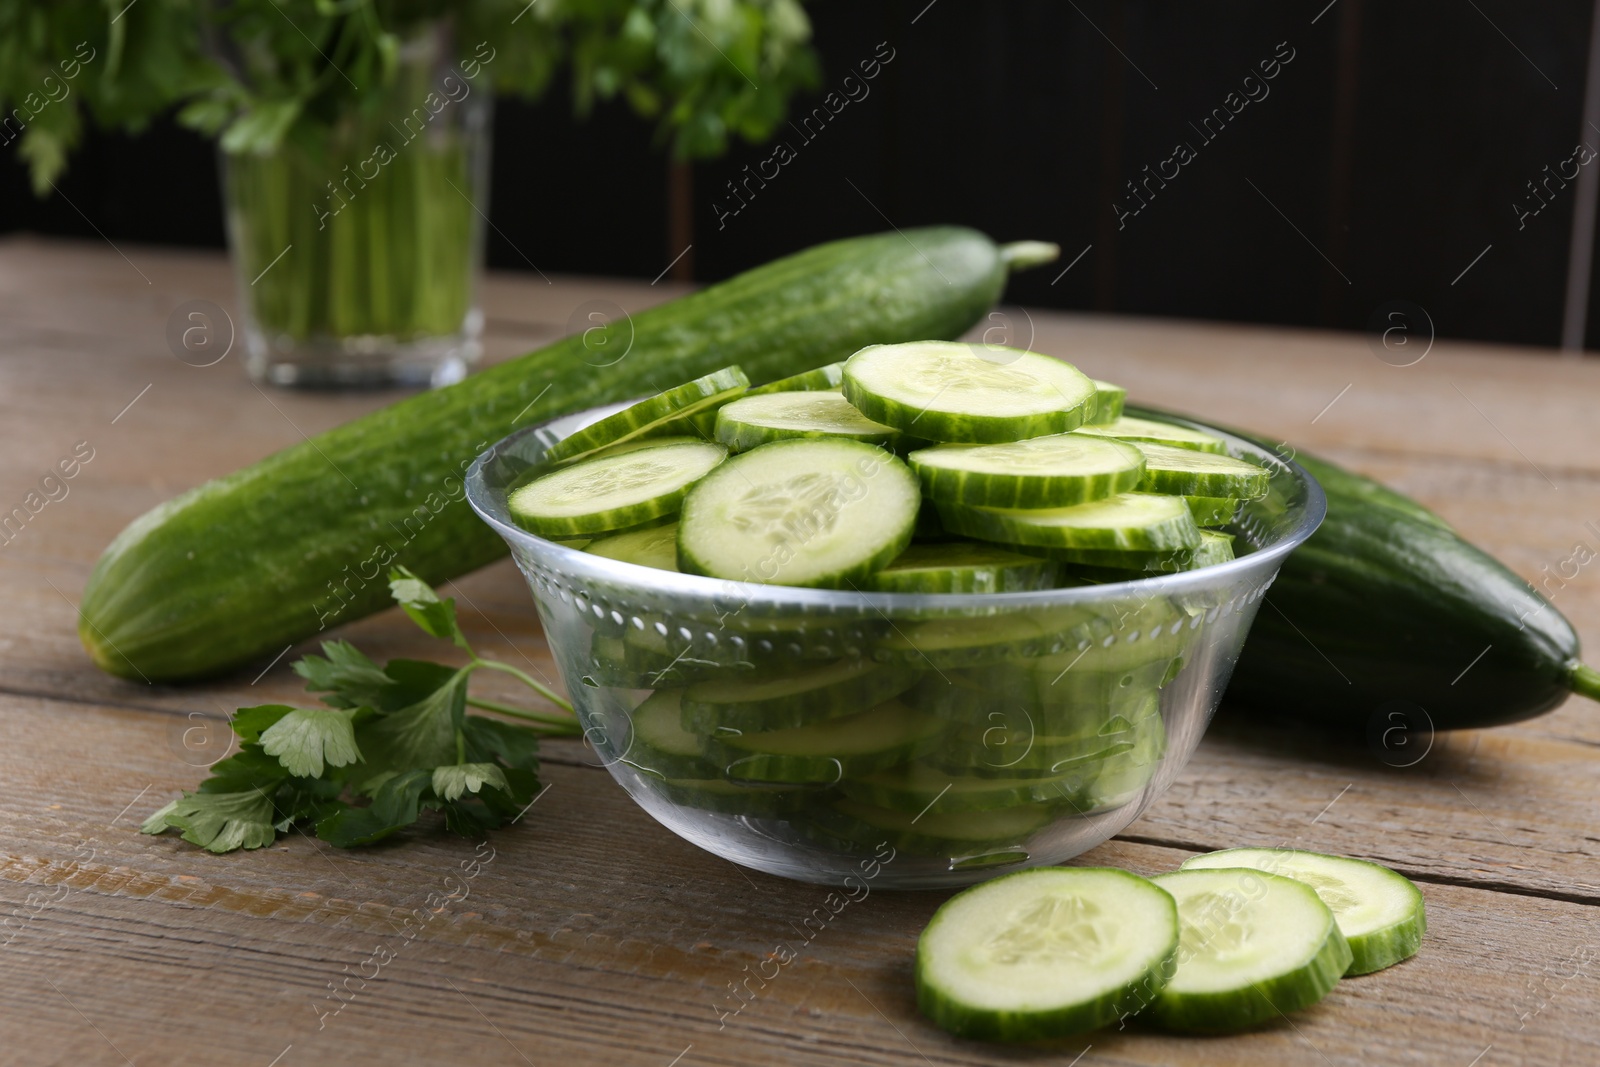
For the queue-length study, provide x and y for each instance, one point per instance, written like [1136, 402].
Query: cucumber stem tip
[1584, 681]
[1021, 255]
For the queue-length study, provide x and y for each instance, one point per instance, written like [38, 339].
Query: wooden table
[595, 936]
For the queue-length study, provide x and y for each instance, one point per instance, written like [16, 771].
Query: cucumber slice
[1054, 471]
[799, 698]
[655, 547]
[616, 662]
[1130, 428]
[1061, 694]
[1214, 547]
[660, 746]
[960, 835]
[823, 513]
[991, 754]
[1108, 400]
[1212, 510]
[647, 416]
[734, 649]
[1379, 911]
[924, 786]
[821, 378]
[1045, 953]
[827, 751]
[1140, 521]
[1016, 745]
[755, 420]
[1187, 472]
[1119, 777]
[733, 798]
[945, 391]
[613, 492]
[962, 567]
[961, 641]
[1252, 946]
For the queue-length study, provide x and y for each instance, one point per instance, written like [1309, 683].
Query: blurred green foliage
[253, 72]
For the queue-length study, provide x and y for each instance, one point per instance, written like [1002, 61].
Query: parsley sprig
[394, 742]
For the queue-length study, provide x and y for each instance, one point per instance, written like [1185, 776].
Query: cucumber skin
[653, 414]
[1401, 603]
[242, 566]
[1222, 1013]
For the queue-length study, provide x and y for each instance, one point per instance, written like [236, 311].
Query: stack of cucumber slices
[899, 470]
[922, 468]
[1232, 940]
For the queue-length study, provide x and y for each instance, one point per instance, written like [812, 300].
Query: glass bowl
[1007, 729]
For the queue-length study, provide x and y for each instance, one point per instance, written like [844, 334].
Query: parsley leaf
[248, 723]
[218, 822]
[307, 800]
[422, 735]
[305, 738]
[350, 678]
[246, 770]
[395, 805]
[450, 781]
[473, 814]
[418, 600]
[411, 680]
[487, 739]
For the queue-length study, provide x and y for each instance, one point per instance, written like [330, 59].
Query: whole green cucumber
[1385, 603]
[240, 567]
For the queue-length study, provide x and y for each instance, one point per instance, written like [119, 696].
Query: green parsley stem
[542, 690]
[558, 725]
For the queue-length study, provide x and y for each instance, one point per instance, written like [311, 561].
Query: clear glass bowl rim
[583, 567]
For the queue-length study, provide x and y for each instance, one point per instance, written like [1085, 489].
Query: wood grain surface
[593, 936]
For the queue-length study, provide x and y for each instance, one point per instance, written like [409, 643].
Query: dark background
[1395, 143]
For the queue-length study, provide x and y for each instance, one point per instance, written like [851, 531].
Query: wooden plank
[591, 934]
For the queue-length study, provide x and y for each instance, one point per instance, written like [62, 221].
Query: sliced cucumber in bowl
[825, 752]
[959, 837]
[614, 492]
[772, 701]
[923, 786]
[1109, 398]
[651, 416]
[655, 547]
[1213, 510]
[1189, 472]
[963, 567]
[945, 391]
[822, 378]
[1137, 429]
[757, 420]
[824, 513]
[964, 639]
[1053, 471]
[1144, 522]
[659, 745]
